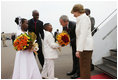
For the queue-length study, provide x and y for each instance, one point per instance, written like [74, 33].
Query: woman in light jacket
[84, 40]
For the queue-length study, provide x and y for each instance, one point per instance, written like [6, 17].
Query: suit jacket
[92, 25]
[50, 47]
[13, 36]
[71, 31]
[84, 39]
[38, 30]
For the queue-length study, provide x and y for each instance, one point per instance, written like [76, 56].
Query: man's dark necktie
[35, 25]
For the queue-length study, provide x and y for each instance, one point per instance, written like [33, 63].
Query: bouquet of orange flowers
[23, 42]
[63, 38]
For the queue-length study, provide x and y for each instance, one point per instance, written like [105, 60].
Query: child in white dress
[25, 66]
[50, 52]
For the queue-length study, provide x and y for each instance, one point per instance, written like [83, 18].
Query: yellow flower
[24, 47]
[63, 38]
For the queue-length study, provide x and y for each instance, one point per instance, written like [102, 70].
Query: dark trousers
[40, 53]
[76, 68]
[13, 41]
[85, 64]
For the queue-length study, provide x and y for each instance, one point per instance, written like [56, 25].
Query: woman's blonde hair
[78, 8]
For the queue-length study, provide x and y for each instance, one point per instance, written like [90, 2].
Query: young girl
[25, 66]
[50, 53]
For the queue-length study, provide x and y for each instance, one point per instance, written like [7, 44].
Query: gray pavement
[62, 65]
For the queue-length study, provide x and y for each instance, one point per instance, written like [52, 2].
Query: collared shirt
[68, 25]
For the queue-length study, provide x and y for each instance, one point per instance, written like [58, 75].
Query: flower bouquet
[63, 39]
[26, 42]
[35, 45]
[22, 42]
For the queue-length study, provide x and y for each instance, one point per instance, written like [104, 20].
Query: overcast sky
[50, 11]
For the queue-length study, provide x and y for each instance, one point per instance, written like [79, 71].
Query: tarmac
[62, 65]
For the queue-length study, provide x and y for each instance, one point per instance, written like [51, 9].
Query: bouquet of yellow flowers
[63, 38]
[22, 42]
[35, 45]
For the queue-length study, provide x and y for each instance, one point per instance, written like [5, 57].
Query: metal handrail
[103, 21]
[109, 32]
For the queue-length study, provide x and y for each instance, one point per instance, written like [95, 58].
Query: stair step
[111, 58]
[110, 63]
[111, 72]
[113, 53]
[114, 50]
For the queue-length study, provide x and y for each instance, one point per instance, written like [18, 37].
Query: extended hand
[78, 54]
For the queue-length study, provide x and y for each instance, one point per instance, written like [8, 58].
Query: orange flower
[21, 42]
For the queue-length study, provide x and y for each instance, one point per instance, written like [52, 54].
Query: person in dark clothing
[55, 34]
[70, 27]
[87, 11]
[13, 38]
[36, 26]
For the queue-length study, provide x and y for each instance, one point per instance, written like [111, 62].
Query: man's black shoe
[70, 73]
[92, 67]
[75, 76]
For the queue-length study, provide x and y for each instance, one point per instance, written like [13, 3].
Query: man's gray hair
[64, 18]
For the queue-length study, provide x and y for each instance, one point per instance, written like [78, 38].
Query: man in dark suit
[93, 30]
[70, 27]
[87, 11]
[36, 26]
